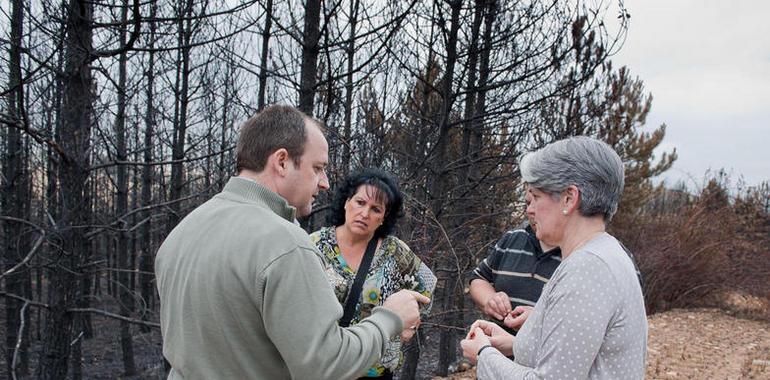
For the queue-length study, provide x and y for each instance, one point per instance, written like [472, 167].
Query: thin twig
[114, 316]
[136, 271]
[26, 300]
[19, 339]
[32, 251]
[77, 338]
[432, 324]
[156, 163]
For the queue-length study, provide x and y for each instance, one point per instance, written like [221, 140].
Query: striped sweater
[518, 266]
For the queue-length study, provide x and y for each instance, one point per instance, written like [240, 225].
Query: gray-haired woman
[590, 320]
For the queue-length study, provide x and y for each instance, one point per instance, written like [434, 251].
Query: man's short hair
[276, 127]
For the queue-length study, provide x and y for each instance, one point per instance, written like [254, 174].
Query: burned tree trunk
[265, 44]
[14, 196]
[121, 208]
[310, 50]
[74, 139]
[147, 259]
[184, 34]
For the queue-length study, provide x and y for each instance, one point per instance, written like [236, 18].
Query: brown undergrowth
[691, 249]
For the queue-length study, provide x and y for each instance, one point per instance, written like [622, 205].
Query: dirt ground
[707, 344]
[732, 342]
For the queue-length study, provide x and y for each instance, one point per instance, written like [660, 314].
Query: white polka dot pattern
[589, 323]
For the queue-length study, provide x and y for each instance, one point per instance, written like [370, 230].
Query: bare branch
[131, 40]
[32, 251]
[114, 316]
[38, 136]
[183, 160]
[19, 339]
[25, 300]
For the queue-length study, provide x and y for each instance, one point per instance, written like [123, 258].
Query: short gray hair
[589, 164]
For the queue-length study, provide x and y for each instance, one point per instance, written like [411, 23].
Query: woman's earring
[564, 212]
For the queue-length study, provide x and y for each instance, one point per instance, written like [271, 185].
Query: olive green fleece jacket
[244, 296]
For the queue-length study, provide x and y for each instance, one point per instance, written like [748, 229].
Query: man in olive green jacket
[242, 289]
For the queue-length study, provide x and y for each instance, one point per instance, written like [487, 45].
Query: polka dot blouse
[589, 323]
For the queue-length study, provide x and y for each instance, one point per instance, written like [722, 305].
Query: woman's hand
[473, 343]
[516, 318]
[497, 336]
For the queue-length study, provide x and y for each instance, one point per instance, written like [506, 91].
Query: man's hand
[498, 305]
[473, 343]
[405, 304]
[408, 334]
[498, 337]
[516, 318]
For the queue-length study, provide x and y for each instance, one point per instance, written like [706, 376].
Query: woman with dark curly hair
[363, 215]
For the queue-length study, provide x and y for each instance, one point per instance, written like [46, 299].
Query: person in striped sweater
[506, 284]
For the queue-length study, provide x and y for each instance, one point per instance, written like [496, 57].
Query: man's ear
[279, 161]
[570, 198]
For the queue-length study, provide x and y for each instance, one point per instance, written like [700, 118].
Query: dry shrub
[690, 249]
[683, 259]
[740, 303]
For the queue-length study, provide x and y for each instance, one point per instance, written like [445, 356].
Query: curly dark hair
[387, 191]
